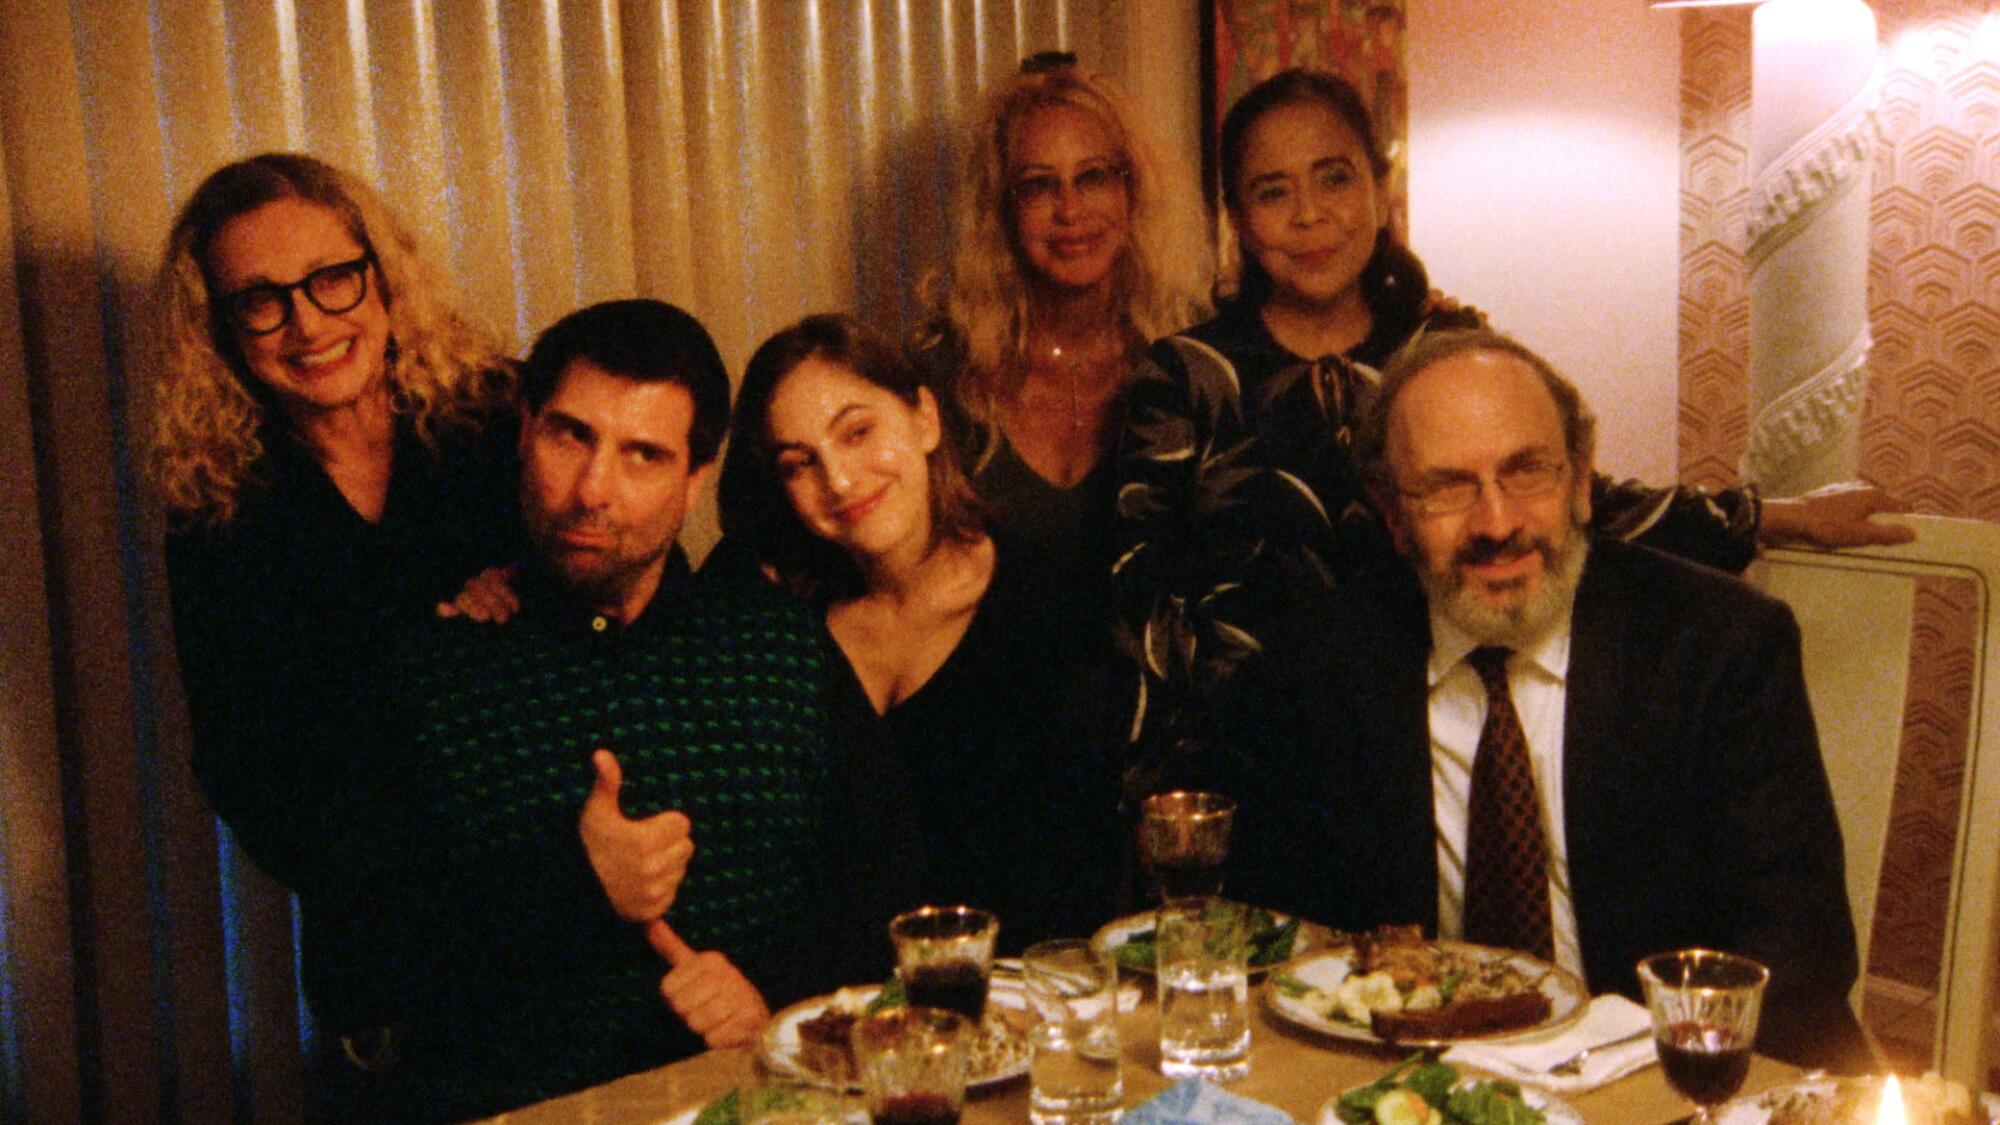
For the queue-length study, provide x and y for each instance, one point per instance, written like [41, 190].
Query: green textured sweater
[712, 701]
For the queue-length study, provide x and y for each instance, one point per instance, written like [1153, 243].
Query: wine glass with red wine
[1183, 839]
[944, 957]
[1704, 1006]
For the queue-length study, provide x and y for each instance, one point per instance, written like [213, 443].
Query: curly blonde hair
[1160, 280]
[445, 375]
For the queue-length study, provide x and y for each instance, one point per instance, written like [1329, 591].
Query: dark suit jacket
[1697, 809]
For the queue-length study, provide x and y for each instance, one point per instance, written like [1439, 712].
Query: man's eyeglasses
[260, 310]
[1524, 481]
[1095, 186]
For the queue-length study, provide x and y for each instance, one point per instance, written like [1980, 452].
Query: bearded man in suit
[1537, 738]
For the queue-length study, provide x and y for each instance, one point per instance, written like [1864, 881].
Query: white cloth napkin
[1527, 1059]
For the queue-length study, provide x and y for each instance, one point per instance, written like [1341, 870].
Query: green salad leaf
[1475, 1103]
[1357, 1106]
[740, 1105]
[1140, 951]
[1290, 985]
[725, 1110]
[891, 996]
[1491, 1103]
[1271, 941]
[1433, 1082]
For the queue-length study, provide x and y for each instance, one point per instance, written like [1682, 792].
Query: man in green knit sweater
[569, 942]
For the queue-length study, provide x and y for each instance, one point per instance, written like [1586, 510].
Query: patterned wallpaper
[1931, 430]
[1931, 427]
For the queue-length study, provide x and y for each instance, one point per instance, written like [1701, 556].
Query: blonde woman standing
[328, 452]
[1077, 245]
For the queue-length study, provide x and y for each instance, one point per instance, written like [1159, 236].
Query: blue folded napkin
[1194, 1102]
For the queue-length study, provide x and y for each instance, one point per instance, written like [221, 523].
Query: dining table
[1296, 1070]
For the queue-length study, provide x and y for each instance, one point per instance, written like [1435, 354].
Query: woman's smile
[854, 511]
[1309, 206]
[852, 456]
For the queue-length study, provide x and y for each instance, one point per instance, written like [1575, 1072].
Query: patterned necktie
[1506, 855]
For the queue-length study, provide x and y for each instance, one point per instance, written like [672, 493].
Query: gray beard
[1517, 626]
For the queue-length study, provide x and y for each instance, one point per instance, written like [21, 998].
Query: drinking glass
[1183, 839]
[912, 1064]
[1204, 978]
[1073, 990]
[1704, 1006]
[944, 956]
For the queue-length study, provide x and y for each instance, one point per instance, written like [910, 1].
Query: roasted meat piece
[826, 1043]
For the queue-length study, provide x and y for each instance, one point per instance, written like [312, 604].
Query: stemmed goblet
[1183, 839]
[1704, 1006]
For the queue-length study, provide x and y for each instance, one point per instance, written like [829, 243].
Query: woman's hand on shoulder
[487, 597]
[1835, 515]
[1441, 303]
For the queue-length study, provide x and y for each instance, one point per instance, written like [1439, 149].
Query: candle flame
[1891, 1111]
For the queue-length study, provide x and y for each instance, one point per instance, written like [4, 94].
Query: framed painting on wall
[1359, 40]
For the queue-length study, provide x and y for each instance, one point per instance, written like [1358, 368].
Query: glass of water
[1074, 992]
[1204, 977]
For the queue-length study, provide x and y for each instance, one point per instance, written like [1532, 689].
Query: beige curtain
[752, 160]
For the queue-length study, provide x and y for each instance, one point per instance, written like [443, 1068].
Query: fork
[1573, 1065]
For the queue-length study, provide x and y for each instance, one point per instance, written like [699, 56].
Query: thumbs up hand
[639, 862]
[706, 991]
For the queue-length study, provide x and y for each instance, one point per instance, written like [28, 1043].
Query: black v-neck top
[279, 623]
[994, 783]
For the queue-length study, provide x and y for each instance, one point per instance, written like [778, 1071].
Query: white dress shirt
[1538, 678]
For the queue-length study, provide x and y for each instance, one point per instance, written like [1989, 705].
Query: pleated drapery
[751, 160]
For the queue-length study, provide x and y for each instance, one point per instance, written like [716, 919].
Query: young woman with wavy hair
[980, 755]
[333, 448]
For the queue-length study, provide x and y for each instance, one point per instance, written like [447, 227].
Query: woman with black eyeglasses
[333, 448]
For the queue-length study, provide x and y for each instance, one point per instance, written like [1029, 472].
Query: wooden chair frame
[1844, 600]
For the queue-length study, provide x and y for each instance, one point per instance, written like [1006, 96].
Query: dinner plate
[1554, 1109]
[1311, 936]
[1568, 998]
[1760, 1108]
[1756, 1109]
[1002, 1052]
